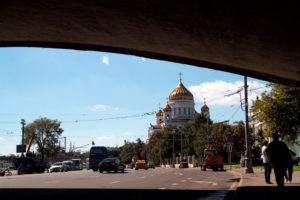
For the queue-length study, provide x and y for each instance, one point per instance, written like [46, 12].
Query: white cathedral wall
[182, 109]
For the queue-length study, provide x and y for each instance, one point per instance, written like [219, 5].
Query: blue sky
[74, 86]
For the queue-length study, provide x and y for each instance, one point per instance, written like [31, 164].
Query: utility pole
[248, 163]
[160, 152]
[23, 124]
[173, 160]
[65, 144]
[208, 136]
[181, 155]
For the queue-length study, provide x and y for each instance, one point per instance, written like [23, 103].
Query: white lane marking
[178, 173]
[115, 182]
[206, 182]
[143, 177]
[183, 181]
[189, 178]
[47, 182]
[162, 188]
[175, 184]
[152, 175]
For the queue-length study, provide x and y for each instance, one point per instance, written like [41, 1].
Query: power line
[111, 118]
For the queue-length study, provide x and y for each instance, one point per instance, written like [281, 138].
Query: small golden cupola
[159, 113]
[167, 108]
[204, 108]
[181, 93]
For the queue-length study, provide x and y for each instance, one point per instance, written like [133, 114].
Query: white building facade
[179, 109]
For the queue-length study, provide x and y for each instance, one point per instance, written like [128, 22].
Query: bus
[97, 154]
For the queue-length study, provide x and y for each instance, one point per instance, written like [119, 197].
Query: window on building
[168, 117]
[174, 111]
[184, 111]
[179, 111]
[189, 111]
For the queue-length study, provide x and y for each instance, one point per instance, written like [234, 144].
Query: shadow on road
[124, 194]
[264, 193]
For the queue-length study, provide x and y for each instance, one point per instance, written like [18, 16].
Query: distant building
[179, 109]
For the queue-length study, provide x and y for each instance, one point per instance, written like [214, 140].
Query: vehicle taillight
[113, 163]
[92, 162]
[100, 163]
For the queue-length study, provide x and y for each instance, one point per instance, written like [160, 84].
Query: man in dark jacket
[279, 154]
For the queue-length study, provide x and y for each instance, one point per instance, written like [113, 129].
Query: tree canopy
[279, 109]
[46, 134]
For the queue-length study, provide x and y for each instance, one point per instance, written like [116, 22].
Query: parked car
[111, 164]
[184, 164]
[58, 167]
[151, 165]
[140, 164]
[77, 164]
[69, 164]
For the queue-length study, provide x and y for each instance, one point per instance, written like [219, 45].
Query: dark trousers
[289, 176]
[279, 174]
[268, 170]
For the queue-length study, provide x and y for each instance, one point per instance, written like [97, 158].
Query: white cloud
[106, 137]
[214, 92]
[103, 107]
[105, 60]
[1, 138]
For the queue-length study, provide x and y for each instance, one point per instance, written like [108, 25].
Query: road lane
[159, 178]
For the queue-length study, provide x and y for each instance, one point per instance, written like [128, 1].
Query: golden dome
[167, 108]
[180, 92]
[204, 108]
[159, 113]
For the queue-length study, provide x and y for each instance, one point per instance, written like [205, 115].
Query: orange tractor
[211, 161]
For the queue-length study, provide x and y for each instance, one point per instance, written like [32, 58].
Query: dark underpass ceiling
[261, 40]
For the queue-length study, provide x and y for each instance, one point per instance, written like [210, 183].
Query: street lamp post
[173, 160]
[181, 155]
[248, 163]
[23, 124]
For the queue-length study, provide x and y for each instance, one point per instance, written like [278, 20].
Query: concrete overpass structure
[258, 39]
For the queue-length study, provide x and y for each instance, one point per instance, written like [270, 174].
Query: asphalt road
[175, 181]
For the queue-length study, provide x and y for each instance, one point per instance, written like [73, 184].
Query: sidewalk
[252, 186]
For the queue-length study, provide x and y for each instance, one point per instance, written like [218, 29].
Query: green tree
[132, 149]
[46, 134]
[280, 111]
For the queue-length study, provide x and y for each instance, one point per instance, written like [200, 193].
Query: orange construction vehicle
[211, 160]
[134, 159]
[30, 163]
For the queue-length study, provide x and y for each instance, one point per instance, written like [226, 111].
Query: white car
[58, 167]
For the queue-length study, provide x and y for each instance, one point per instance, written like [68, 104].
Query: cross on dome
[180, 74]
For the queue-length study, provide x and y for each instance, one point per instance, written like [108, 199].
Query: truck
[211, 160]
[29, 164]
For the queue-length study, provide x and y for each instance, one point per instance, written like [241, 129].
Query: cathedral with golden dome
[179, 109]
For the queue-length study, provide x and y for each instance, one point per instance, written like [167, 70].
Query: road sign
[230, 139]
[21, 147]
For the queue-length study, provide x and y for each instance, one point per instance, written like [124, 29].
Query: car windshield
[57, 164]
[109, 160]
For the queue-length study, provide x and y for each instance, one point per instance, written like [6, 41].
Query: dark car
[111, 164]
[184, 164]
[151, 165]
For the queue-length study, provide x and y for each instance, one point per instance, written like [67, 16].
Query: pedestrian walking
[266, 161]
[290, 165]
[279, 154]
